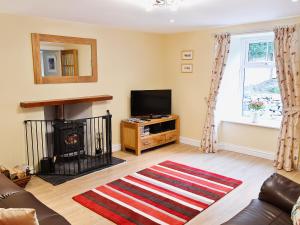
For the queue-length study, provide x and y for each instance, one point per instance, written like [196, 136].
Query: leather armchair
[274, 205]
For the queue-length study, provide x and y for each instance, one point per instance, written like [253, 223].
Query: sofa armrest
[7, 186]
[280, 192]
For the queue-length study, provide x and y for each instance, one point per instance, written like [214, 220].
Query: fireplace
[69, 147]
[68, 138]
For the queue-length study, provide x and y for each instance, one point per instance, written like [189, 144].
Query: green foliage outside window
[261, 52]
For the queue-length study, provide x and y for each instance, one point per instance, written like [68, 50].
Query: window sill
[265, 124]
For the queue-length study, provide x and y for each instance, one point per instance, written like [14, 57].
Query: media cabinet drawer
[145, 143]
[153, 141]
[171, 136]
[158, 140]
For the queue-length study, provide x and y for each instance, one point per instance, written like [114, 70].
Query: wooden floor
[251, 170]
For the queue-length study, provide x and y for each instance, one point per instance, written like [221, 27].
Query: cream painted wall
[257, 138]
[126, 60]
[191, 89]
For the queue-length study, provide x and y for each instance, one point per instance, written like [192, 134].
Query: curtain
[289, 82]
[222, 44]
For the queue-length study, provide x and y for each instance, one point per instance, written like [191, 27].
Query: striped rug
[167, 193]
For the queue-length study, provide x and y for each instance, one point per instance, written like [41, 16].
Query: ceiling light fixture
[172, 5]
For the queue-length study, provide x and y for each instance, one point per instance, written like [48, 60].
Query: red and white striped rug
[167, 193]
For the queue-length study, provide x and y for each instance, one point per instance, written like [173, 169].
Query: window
[259, 78]
[260, 51]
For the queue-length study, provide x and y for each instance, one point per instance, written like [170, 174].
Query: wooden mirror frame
[36, 40]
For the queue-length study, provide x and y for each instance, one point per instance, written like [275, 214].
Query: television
[151, 103]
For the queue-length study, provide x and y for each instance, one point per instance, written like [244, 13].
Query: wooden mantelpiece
[65, 101]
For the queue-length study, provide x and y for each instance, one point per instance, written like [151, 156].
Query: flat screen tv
[151, 103]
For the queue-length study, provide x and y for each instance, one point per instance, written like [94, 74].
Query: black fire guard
[68, 147]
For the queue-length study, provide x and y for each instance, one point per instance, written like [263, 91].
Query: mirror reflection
[65, 59]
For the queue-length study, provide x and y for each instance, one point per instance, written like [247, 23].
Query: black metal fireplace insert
[68, 137]
[68, 147]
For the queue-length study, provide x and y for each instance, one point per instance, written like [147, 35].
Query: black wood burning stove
[68, 138]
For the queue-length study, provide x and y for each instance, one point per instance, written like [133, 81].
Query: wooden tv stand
[166, 131]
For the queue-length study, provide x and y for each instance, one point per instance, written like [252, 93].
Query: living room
[138, 47]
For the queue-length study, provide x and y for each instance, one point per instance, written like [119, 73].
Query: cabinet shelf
[69, 62]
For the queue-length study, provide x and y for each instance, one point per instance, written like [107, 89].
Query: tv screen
[151, 102]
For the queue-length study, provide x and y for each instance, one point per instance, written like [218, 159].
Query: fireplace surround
[68, 147]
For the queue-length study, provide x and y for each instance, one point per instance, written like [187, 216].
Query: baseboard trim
[233, 148]
[116, 147]
[246, 151]
[189, 141]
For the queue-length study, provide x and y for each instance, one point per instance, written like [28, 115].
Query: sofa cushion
[260, 213]
[296, 213]
[2, 205]
[54, 219]
[27, 200]
[18, 216]
[280, 192]
[6, 195]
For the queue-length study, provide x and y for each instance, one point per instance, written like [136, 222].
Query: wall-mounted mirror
[60, 59]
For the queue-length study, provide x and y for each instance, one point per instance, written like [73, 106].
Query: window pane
[270, 51]
[258, 52]
[261, 84]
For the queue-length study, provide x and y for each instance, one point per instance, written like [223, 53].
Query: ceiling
[131, 14]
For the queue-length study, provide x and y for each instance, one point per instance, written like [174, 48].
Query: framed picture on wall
[187, 55]
[186, 68]
[51, 62]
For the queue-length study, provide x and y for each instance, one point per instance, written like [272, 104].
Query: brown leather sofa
[273, 206]
[12, 196]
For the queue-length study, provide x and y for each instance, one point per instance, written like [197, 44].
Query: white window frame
[245, 56]
[246, 64]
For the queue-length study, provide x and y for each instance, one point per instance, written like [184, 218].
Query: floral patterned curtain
[222, 44]
[289, 80]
